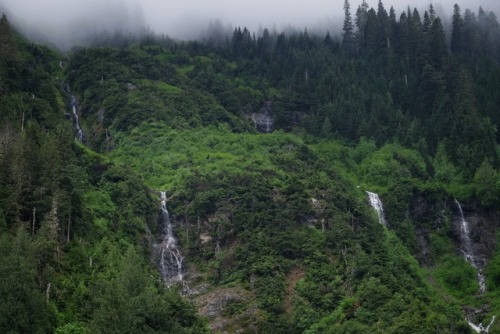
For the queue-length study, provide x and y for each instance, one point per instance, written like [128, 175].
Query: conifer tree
[361, 18]
[457, 31]
[427, 22]
[348, 29]
[432, 13]
[437, 44]
[8, 56]
[6, 43]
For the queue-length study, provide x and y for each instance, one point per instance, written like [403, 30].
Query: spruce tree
[361, 18]
[9, 76]
[457, 31]
[348, 29]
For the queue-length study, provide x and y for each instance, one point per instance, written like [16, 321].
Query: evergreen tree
[437, 45]
[432, 13]
[361, 18]
[24, 308]
[393, 24]
[457, 44]
[7, 45]
[417, 42]
[472, 136]
[487, 184]
[470, 36]
[372, 33]
[326, 128]
[9, 58]
[427, 22]
[348, 29]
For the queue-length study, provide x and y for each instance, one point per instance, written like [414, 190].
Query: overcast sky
[64, 21]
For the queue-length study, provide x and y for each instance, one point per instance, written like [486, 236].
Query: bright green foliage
[23, 308]
[70, 221]
[284, 216]
[487, 184]
[257, 189]
[458, 277]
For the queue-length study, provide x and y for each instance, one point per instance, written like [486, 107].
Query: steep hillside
[75, 256]
[276, 229]
[163, 185]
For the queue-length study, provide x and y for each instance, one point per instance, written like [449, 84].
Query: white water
[376, 203]
[79, 134]
[170, 257]
[468, 250]
[480, 328]
[264, 121]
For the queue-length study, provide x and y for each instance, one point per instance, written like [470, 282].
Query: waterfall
[79, 134]
[263, 121]
[480, 328]
[167, 252]
[376, 203]
[468, 250]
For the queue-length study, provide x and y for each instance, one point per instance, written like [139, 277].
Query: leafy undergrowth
[254, 208]
[276, 229]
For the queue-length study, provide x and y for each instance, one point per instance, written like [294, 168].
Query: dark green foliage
[348, 29]
[72, 225]
[283, 216]
[487, 183]
[398, 81]
[24, 308]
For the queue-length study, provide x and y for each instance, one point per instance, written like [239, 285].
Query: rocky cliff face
[431, 215]
[482, 226]
[263, 120]
[427, 215]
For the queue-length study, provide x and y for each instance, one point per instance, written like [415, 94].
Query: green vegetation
[72, 223]
[281, 217]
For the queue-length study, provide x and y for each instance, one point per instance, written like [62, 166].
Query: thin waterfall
[468, 250]
[480, 328]
[376, 203]
[167, 252]
[76, 120]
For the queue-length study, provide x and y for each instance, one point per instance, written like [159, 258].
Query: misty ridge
[65, 24]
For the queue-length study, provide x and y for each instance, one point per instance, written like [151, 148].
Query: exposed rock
[100, 114]
[431, 214]
[292, 279]
[482, 231]
[130, 86]
[423, 243]
[227, 309]
[263, 120]
[427, 215]
[205, 237]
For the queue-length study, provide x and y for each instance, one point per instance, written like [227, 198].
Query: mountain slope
[73, 238]
[265, 148]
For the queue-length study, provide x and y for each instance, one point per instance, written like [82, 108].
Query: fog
[68, 22]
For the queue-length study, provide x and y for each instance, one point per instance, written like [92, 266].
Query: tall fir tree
[348, 29]
[361, 18]
[457, 31]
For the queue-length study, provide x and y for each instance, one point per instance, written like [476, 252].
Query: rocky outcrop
[482, 230]
[228, 309]
[430, 214]
[427, 215]
[263, 120]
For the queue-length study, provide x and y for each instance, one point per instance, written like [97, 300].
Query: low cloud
[70, 22]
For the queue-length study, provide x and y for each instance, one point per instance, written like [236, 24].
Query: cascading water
[79, 134]
[467, 249]
[480, 328]
[376, 203]
[167, 252]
